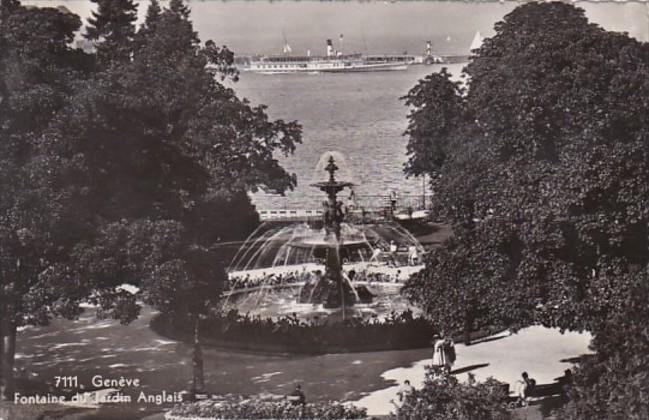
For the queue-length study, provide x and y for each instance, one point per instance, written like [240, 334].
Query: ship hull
[323, 67]
[369, 68]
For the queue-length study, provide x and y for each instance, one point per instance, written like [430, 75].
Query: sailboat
[477, 42]
[287, 48]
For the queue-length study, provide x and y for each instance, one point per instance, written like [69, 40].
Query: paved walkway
[544, 353]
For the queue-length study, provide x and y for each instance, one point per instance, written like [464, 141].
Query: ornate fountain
[331, 261]
[333, 290]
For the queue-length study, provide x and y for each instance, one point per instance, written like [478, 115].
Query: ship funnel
[330, 48]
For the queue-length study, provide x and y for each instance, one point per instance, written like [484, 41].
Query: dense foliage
[120, 166]
[546, 182]
[36, 70]
[259, 409]
[290, 334]
[613, 383]
[437, 104]
[443, 397]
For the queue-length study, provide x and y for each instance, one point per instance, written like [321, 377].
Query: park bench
[537, 393]
[546, 390]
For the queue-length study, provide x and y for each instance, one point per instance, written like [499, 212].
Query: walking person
[443, 353]
[413, 256]
[393, 201]
[449, 350]
[393, 253]
[440, 359]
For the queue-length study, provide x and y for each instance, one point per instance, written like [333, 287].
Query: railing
[362, 207]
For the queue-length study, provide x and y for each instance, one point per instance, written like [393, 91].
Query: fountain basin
[278, 300]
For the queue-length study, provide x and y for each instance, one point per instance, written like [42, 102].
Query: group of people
[443, 353]
[395, 256]
[444, 358]
[375, 277]
[305, 276]
[272, 279]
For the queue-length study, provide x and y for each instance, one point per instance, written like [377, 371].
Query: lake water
[358, 114]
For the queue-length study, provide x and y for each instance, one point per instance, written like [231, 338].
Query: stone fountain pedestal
[332, 289]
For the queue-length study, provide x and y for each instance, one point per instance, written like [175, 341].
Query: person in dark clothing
[297, 397]
[524, 388]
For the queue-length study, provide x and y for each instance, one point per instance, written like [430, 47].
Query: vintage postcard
[323, 209]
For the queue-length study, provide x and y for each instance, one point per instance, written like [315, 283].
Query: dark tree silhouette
[36, 67]
[112, 29]
[546, 184]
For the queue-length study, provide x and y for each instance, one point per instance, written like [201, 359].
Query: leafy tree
[467, 284]
[438, 112]
[188, 287]
[159, 141]
[443, 397]
[159, 133]
[546, 186]
[181, 279]
[106, 167]
[611, 383]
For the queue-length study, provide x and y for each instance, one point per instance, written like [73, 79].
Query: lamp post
[423, 192]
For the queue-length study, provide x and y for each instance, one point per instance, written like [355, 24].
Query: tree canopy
[545, 180]
[112, 27]
[120, 166]
[37, 67]
[437, 114]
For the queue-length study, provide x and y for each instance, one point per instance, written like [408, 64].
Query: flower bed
[289, 334]
[258, 409]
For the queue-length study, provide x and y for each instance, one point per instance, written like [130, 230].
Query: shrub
[443, 397]
[259, 409]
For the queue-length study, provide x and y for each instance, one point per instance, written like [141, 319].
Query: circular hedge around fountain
[289, 334]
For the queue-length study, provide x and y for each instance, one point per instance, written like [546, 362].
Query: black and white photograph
[303, 209]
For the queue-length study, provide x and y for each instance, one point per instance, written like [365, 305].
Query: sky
[260, 27]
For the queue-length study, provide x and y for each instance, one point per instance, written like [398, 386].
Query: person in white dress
[442, 356]
[413, 256]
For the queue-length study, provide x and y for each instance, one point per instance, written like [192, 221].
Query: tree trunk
[468, 326]
[7, 357]
[197, 361]
[1, 347]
